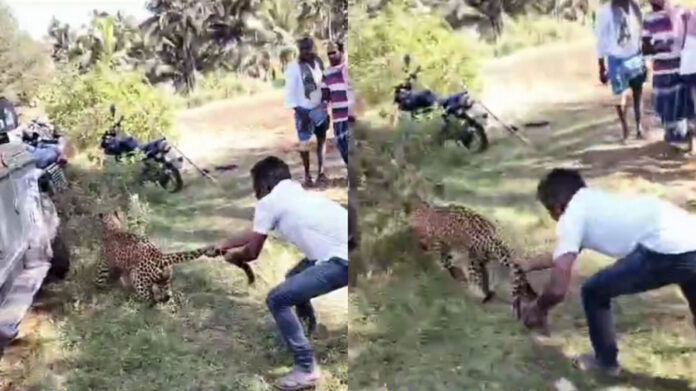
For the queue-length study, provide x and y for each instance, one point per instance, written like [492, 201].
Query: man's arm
[557, 287]
[250, 251]
[542, 262]
[291, 85]
[235, 241]
[535, 315]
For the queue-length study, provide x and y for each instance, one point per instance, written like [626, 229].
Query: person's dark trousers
[297, 290]
[641, 270]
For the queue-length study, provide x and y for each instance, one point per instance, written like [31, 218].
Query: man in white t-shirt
[654, 239]
[319, 228]
[303, 94]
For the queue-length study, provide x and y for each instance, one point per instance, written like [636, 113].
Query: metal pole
[205, 174]
[505, 126]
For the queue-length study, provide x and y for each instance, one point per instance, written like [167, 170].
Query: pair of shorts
[318, 125]
[625, 73]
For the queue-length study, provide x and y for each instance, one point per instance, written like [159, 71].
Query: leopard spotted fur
[139, 262]
[441, 229]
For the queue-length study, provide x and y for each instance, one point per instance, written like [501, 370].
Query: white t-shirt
[317, 225]
[619, 37]
[615, 224]
[295, 90]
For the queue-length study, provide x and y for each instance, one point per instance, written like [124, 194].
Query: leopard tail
[170, 259]
[521, 288]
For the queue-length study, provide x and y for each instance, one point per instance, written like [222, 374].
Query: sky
[34, 16]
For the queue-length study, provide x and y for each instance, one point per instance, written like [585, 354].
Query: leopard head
[112, 220]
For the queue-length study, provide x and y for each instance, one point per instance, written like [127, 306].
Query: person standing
[687, 67]
[663, 39]
[303, 94]
[619, 44]
[337, 93]
[318, 227]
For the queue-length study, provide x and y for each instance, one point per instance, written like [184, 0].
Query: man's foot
[298, 380]
[322, 179]
[308, 182]
[588, 362]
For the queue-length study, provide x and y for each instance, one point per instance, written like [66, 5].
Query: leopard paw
[488, 297]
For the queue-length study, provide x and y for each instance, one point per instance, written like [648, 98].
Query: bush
[448, 60]
[529, 31]
[79, 105]
[224, 85]
[24, 63]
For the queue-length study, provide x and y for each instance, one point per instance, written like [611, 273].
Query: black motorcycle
[459, 125]
[161, 164]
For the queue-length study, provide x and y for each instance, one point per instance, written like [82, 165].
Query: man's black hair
[270, 171]
[558, 187]
[305, 41]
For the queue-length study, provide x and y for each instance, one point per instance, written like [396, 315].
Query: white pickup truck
[30, 247]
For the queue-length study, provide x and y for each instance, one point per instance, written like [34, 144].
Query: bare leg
[321, 151]
[621, 111]
[305, 163]
[637, 109]
[692, 122]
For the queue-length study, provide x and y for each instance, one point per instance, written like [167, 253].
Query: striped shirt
[659, 29]
[336, 87]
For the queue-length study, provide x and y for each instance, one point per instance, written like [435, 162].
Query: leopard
[137, 262]
[442, 229]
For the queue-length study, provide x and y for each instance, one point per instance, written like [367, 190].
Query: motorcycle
[161, 164]
[458, 122]
[47, 145]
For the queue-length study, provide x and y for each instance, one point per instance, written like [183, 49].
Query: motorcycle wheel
[170, 178]
[475, 138]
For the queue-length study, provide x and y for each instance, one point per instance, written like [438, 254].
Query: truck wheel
[60, 263]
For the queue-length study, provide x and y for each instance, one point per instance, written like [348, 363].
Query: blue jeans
[297, 290]
[641, 270]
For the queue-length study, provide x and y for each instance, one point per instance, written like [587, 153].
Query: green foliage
[529, 31]
[138, 216]
[223, 85]
[79, 104]
[23, 62]
[449, 61]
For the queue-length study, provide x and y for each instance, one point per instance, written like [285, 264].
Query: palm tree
[196, 36]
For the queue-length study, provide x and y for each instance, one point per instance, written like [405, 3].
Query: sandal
[308, 182]
[298, 380]
[588, 362]
[322, 179]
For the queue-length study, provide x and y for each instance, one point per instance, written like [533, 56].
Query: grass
[224, 85]
[215, 334]
[413, 328]
[536, 30]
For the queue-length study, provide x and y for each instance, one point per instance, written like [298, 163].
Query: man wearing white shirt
[619, 42]
[654, 239]
[318, 227]
[303, 94]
